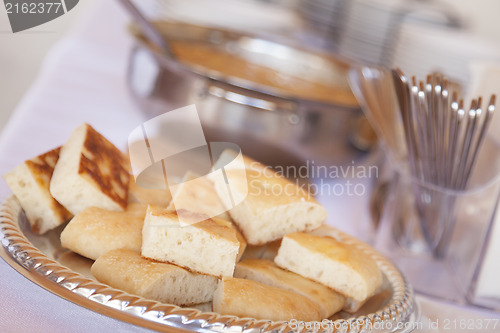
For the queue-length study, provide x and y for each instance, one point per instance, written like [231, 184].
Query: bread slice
[239, 236]
[30, 181]
[147, 196]
[205, 247]
[247, 298]
[337, 265]
[90, 171]
[273, 207]
[267, 272]
[351, 305]
[128, 271]
[197, 194]
[96, 231]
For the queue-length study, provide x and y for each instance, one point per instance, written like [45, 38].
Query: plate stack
[367, 31]
[453, 51]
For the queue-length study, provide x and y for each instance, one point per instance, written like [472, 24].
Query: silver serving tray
[42, 260]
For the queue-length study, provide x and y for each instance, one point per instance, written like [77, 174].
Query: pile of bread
[270, 257]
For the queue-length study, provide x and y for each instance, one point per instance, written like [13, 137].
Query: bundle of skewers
[443, 140]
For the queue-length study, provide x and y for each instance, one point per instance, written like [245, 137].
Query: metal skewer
[443, 141]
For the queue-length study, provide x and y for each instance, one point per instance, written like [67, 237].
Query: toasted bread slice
[205, 247]
[267, 272]
[247, 298]
[90, 171]
[239, 236]
[351, 305]
[96, 231]
[30, 183]
[197, 194]
[273, 207]
[128, 271]
[337, 265]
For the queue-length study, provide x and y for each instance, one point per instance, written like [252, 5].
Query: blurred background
[22, 53]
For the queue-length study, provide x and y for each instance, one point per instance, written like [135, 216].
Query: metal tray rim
[19, 253]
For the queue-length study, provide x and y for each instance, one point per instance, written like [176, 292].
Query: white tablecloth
[83, 80]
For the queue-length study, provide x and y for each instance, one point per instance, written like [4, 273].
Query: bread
[30, 181]
[148, 196]
[96, 231]
[90, 171]
[239, 236]
[128, 271]
[273, 207]
[351, 305]
[266, 271]
[197, 194]
[246, 298]
[267, 251]
[205, 247]
[337, 265]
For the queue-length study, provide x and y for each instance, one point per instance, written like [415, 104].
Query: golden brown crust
[95, 231]
[246, 298]
[336, 250]
[129, 271]
[113, 264]
[42, 168]
[266, 271]
[347, 255]
[105, 166]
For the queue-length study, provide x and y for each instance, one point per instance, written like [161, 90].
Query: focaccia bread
[239, 236]
[205, 247]
[30, 182]
[273, 207]
[247, 298]
[90, 172]
[351, 305]
[96, 231]
[337, 265]
[267, 272]
[128, 271]
[197, 194]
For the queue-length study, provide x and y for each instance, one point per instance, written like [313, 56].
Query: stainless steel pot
[266, 123]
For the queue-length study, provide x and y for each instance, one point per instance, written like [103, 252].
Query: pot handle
[254, 99]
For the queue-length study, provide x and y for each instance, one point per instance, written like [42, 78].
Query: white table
[83, 80]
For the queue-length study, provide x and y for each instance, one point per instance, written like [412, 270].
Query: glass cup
[437, 236]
